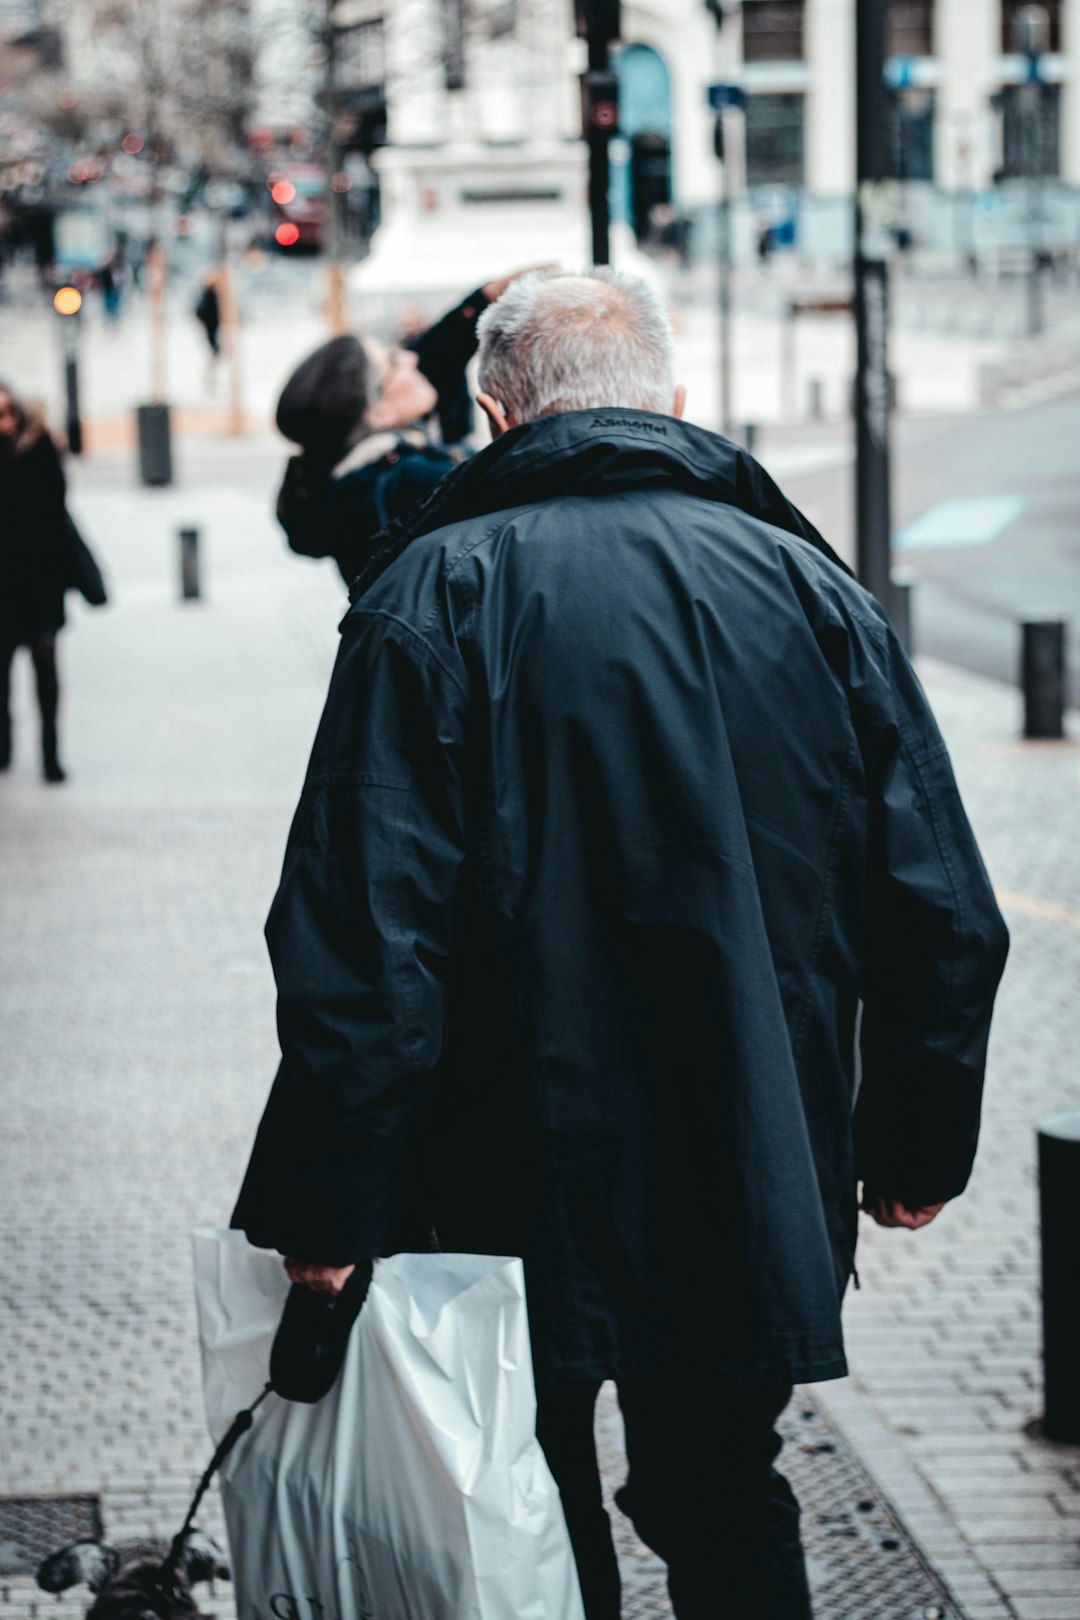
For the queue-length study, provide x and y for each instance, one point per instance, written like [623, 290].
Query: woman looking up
[359, 409]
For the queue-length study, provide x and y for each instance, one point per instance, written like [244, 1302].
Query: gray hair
[558, 342]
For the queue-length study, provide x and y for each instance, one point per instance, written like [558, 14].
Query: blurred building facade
[493, 83]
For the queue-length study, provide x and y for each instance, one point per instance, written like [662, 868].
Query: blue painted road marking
[961, 523]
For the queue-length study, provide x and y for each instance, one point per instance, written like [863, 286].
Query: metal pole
[599, 157]
[1032, 111]
[157, 269]
[71, 385]
[788, 406]
[1059, 1210]
[872, 478]
[725, 286]
[230, 325]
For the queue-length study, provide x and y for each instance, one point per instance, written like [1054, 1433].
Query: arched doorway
[641, 177]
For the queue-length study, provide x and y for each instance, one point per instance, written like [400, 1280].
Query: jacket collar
[594, 452]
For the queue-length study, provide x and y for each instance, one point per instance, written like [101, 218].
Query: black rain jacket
[624, 800]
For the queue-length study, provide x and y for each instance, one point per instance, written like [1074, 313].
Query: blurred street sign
[724, 96]
[82, 238]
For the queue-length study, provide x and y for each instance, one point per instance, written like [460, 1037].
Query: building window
[1009, 24]
[909, 28]
[774, 140]
[772, 30]
[910, 131]
[1030, 130]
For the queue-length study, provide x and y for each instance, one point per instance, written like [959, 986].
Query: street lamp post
[872, 392]
[67, 303]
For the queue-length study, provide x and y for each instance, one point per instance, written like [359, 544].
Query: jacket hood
[596, 452]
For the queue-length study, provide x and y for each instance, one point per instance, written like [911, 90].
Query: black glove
[310, 1343]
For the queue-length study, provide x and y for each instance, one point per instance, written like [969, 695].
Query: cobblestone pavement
[137, 1010]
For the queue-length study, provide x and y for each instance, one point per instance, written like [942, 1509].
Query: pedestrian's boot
[51, 768]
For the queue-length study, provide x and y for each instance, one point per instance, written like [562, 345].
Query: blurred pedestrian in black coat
[358, 409]
[208, 313]
[41, 556]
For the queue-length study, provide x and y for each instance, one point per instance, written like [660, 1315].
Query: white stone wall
[524, 88]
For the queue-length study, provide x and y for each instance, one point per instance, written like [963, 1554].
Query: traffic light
[599, 102]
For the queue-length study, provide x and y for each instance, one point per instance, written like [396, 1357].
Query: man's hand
[320, 1279]
[891, 1212]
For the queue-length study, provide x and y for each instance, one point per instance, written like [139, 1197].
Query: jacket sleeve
[359, 935]
[445, 349]
[934, 953]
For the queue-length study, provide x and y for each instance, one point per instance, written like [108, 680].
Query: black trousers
[702, 1492]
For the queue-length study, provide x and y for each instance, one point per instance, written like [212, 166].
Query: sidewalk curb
[913, 1500]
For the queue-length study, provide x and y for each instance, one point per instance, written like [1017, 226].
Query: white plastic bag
[415, 1490]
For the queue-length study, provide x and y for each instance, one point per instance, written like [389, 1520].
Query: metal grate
[31, 1527]
[860, 1560]
[861, 1563]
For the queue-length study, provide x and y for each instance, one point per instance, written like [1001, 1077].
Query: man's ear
[679, 406]
[494, 413]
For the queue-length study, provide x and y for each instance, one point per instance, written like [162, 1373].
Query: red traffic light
[599, 101]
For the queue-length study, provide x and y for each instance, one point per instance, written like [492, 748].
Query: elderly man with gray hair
[626, 827]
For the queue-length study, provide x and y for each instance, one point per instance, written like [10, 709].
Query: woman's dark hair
[323, 403]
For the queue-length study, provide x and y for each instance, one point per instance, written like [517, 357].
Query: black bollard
[155, 444]
[189, 565]
[750, 436]
[1059, 1213]
[1042, 675]
[899, 609]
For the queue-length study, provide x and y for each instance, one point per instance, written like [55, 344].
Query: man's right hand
[320, 1279]
[891, 1212]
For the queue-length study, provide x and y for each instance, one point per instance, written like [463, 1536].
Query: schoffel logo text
[627, 422]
